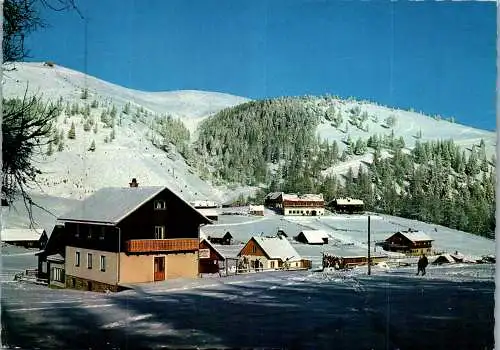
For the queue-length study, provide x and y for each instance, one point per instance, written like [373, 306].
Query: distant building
[409, 242]
[210, 213]
[257, 210]
[24, 237]
[304, 205]
[207, 208]
[264, 253]
[202, 204]
[347, 205]
[119, 236]
[224, 240]
[312, 237]
[274, 200]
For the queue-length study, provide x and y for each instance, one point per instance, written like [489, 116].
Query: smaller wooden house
[54, 249]
[24, 237]
[409, 242]
[347, 205]
[312, 237]
[274, 200]
[224, 240]
[210, 259]
[257, 210]
[270, 253]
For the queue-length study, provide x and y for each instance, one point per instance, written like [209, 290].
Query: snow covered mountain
[75, 172]
[127, 152]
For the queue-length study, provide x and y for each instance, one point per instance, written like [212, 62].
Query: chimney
[133, 183]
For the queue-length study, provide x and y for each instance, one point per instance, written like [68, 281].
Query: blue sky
[436, 57]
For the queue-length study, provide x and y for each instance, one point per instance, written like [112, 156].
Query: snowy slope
[408, 125]
[57, 81]
[76, 172]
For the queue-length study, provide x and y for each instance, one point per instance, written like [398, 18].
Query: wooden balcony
[161, 245]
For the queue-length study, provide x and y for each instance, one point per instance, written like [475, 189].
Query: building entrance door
[159, 268]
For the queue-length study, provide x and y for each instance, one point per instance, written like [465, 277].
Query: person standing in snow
[422, 264]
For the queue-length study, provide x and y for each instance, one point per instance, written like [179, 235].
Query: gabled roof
[20, 234]
[303, 197]
[256, 208]
[112, 204]
[348, 201]
[314, 236]
[416, 236]
[276, 248]
[273, 195]
[212, 247]
[208, 211]
[58, 258]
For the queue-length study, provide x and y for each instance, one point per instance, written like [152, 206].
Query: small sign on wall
[204, 253]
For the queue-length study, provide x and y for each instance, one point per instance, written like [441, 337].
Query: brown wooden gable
[253, 248]
[399, 239]
[214, 254]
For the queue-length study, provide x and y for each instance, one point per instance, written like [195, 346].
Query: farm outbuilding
[210, 259]
[347, 205]
[257, 210]
[312, 237]
[24, 237]
[224, 240]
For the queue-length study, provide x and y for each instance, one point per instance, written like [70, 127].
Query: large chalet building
[127, 235]
[298, 205]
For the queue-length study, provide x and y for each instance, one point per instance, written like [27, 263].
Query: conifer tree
[72, 131]
[50, 150]
[92, 146]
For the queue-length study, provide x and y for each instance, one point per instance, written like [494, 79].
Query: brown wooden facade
[398, 242]
[252, 249]
[210, 264]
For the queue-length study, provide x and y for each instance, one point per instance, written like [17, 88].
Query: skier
[422, 264]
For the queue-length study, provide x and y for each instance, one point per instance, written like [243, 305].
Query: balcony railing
[161, 245]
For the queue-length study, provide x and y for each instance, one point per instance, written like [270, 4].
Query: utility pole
[369, 260]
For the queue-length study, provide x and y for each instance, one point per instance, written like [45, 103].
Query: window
[101, 234]
[89, 235]
[57, 274]
[159, 232]
[89, 260]
[160, 204]
[254, 249]
[103, 263]
[272, 264]
[77, 258]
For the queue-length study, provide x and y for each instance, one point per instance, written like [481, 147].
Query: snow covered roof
[55, 258]
[204, 204]
[314, 236]
[277, 248]
[348, 201]
[110, 205]
[273, 195]
[416, 236]
[307, 196]
[20, 234]
[208, 211]
[256, 208]
[207, 242]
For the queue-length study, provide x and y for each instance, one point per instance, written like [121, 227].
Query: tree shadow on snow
[363, 313]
